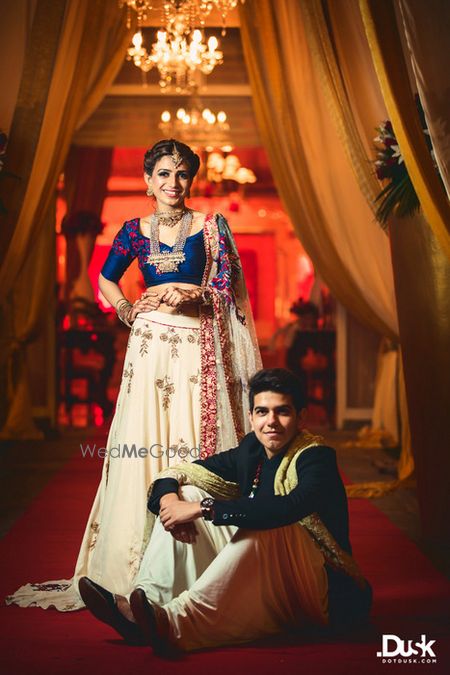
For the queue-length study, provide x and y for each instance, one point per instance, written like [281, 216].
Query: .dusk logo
[396, 650]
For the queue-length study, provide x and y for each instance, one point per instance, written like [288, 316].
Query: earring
[149, 192]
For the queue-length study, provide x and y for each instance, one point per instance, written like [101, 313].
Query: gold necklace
[169, 218]
[168, 261]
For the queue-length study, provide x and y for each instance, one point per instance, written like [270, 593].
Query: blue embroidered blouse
[129, 243]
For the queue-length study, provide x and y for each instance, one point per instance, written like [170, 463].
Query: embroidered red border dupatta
[228, 340]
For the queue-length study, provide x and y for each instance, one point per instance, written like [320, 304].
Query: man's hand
[186, 533]
[176, 512]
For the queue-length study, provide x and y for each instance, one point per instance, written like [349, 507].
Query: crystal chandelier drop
[177, 58]
[141, 7]
[185, 15]
[188, 13]
[197, 125]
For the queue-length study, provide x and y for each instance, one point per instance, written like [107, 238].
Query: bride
[190, 353]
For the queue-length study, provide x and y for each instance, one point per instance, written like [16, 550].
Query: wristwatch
[207, 507]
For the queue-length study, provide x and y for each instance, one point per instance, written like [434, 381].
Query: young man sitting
[247, 542]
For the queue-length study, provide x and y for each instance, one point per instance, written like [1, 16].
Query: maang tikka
[176, 158]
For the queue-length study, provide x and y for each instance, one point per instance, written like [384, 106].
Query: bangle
[207, 508]
[123, 306]
[120, 302]
[206, 295]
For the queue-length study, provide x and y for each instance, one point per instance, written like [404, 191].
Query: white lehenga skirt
[156, 425]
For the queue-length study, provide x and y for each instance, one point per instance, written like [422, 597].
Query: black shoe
[101, 604]
[146, 620]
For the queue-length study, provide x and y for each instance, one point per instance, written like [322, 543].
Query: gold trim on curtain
[383, 36]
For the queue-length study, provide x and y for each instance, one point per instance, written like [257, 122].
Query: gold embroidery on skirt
[95, 528]
[194, 336]
[172, 337]
[195, 379]
[135, 559]
[107, 467]
[168, 389]
[146, 335]
[129, 372]
[50, 587]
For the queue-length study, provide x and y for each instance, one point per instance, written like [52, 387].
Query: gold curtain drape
[427, 28]
[316, 136]
[339, 100]
[385, 43]
[90, 49]
[337, 42]
[313, 176]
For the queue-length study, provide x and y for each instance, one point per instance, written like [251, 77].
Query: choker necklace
[168, 261]
[169, 218]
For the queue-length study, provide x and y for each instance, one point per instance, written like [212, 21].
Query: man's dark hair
[279, 380]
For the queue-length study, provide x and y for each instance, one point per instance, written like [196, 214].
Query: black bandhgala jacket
[319, 490]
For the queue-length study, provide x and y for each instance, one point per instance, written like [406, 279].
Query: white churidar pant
[233, 586]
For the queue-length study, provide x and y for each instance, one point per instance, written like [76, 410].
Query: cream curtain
[427, 29]
[313, 176]
[339, 53]
[380, 22]
[342, 57]
[313, 125]
[90, 50]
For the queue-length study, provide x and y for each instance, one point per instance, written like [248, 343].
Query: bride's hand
[151, 298]
[174, 297]
[148, 301]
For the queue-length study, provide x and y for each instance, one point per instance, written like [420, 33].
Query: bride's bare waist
[163, 287]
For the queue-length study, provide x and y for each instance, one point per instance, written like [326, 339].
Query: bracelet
[206, 295]
[207, 508]
[123, 306]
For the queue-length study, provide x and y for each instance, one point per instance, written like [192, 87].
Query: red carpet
[411, 599]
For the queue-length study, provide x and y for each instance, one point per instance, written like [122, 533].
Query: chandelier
[177, 59]
[185, 13]
[197, 125]
[220, 168]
